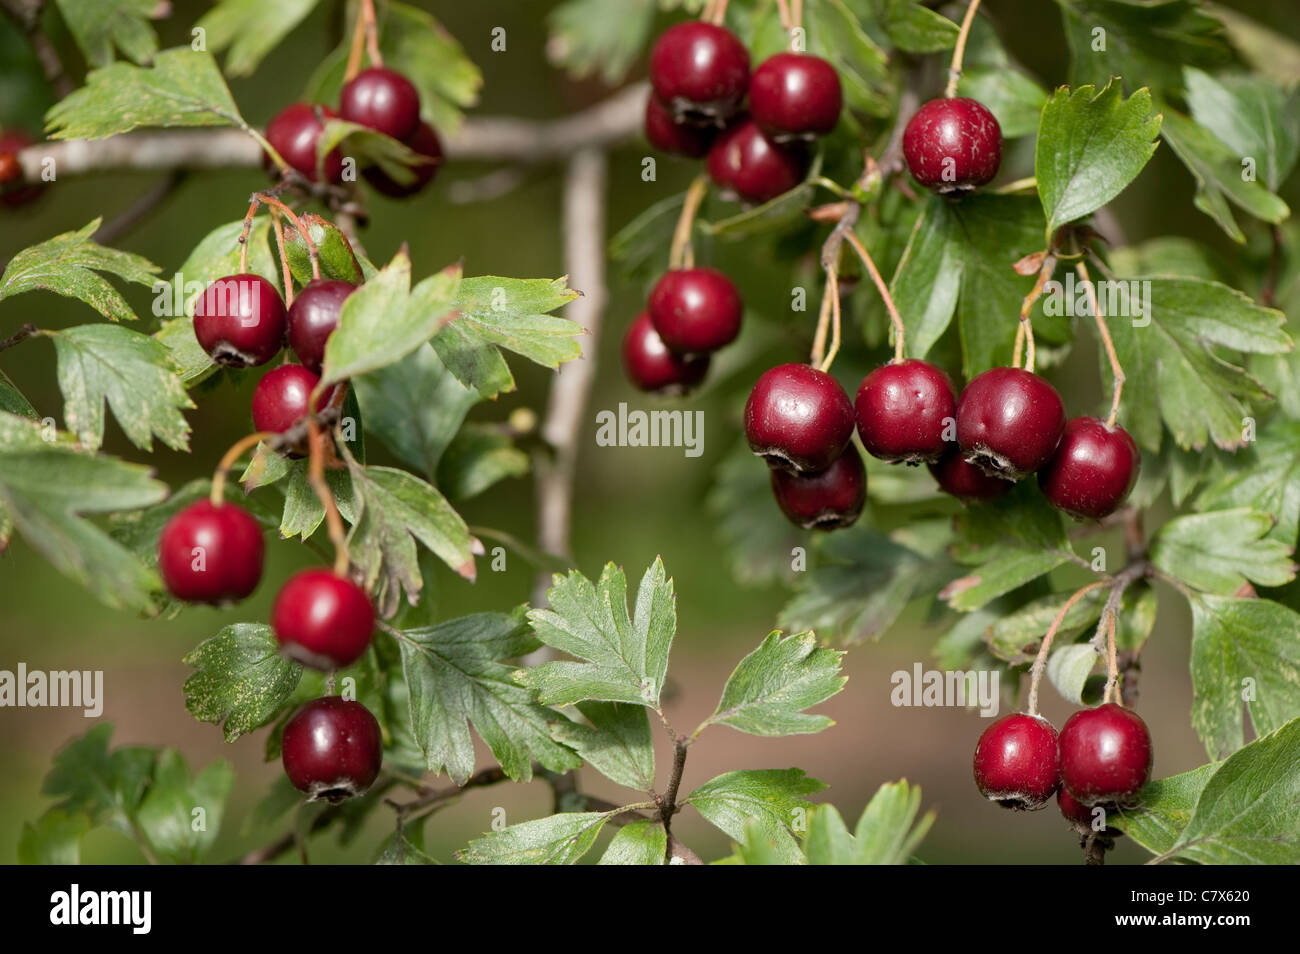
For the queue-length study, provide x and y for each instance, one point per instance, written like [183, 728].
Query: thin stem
[1116, 370]
[959, 51]
[783, 13]
[796, 14]
[22, 334]
[669, 805]
[1040, 661]
[823, 326]
[236, 451]
[900, 332]
[372, 33]
[1112, 666]
[357, 50]
[1027, 184]
[316, 477]
[681, 254]
[833, 292]
[278, 228]
[313, 252]
[253, 206]
[1025, 331]
[716, 12]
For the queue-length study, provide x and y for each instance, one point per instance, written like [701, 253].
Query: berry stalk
[1040, 661]
[899, 331]
[1025, 332]
[236, 451]
[681, 254]
[316, 477]
[365, 39]
[1116, 370]
[959, 51]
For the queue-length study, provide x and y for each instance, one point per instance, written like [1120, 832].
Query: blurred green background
[631, 503]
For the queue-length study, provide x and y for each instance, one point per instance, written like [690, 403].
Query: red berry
[424, 142]
[1105, 754]
[798, 418]
[322, 620]
[1015, 762]
[755, 168]
[295, 132]
[826, 500]
[650, 366]
[966, 481]
[281, 398]
[700, 70]
[382, 99]
[904, 411]
[210, 553]
[1081, 815]
[696, 310]
[795, 95]
[667, 134]
[12, 142]
[1009, 422]
[239, 320]
[953, 145]
[1093, 469]
[313, 315]
[332, 749]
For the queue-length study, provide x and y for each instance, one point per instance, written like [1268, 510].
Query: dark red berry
[295, 132]
[1093, 469]
[798, 418]
[332, 749]
[966, 481]
[381, 99]
[795, 95]
[1082, 815]
[322, 620]
[12, 142]
[1009, 422]
[755, 168]
[953, 145]
[650, 366]
[696, 310]
[281, 398]
[906, 412]
[239, 320]
[313, 315]
[826, 500]
[666, 133]
[1105, 754]
[423, 142]
[700, 70]
[1015, 762]
[210, 553]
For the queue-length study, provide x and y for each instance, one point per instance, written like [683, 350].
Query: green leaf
[429, 56]
[401, 849]
[179, 816]
[13, 401]
[454, 679]
[479, 456]
[1165, 808]
[624, 658]
[886, 834]
[640, 842]
[837, 35]
[1264, 477]
[100, 26]
[1015, 635]
[758, 541]
[773, 797]
[599, 37]
[105, 786]
[55, 839]
[769, 690]
[1068, 668]
[182, 88]
[914, 28]
[1218, 552]
[68, 265]
[250, 29]
[638, 246]
[617, 744]
[558, 840]
[1253, 117]
[303, 513]
[337, 259]
[1091, 145]
[1266, 51]
[369, 147]
[242, 679]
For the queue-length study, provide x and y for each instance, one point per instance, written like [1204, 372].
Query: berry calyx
[424, 142]
[696, 310]
[313, 316]
[12, 194]
[826, 500]
[746, 162]
[700, 71]
[966, 481]
[332, 749]
[795, 95]
[903, 411]
[651, 366]
[1105, 754]
[211, 553]
[1009, 422]
[322, 620]
[383, 100]
[295, 132]
[1015, 762]
[798, 418]
[1093, 469]
[239, 320]
[953, 145]
[665, 132]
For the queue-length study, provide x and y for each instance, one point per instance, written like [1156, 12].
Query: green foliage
[770, 689]
[771, 800]
[105, 27]
[247, 30]
[242, 680]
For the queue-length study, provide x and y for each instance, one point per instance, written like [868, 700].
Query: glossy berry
[281, 398]
[795, 95]
[239, 320]
[313, 315]
[383, 100]
[332, 749]
[1080, 814]
[322, 620]
[966, 481]
[1009, 422]
[798, 418]
[667, 134]
[424, 142]
[905, 412]
[650, 366]
[1105, 754]
[953, 145]
[1093, 469]
[210, 553]
[696, 310]
[295, 132]
[699, 70]
[826, 500]
[12, 142]
[1015, 762]
[755, 168]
